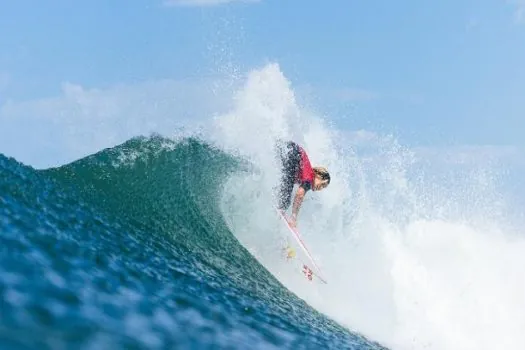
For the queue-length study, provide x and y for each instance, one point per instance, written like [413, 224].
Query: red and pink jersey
[306, 173]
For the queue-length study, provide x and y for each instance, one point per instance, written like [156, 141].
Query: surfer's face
[319, 183]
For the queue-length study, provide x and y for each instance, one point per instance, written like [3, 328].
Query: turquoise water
[127, 248]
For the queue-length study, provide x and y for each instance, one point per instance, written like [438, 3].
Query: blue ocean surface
[127, 248]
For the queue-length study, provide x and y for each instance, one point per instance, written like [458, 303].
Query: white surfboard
[310, 269]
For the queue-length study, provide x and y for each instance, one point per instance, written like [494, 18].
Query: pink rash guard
[306, 173]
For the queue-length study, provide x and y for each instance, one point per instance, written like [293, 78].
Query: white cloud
[519, 12]
[201, 2]
[372, 145]
[51, 131]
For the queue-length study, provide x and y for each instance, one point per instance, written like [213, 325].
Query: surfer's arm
[298, 200]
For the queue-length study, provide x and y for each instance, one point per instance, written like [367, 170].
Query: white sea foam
[416, 257]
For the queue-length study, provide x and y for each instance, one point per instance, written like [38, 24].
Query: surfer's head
[321, 179]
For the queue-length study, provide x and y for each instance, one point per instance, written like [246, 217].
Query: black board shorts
[290, 156]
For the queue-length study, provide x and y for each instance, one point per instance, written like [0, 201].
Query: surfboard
[310, 269]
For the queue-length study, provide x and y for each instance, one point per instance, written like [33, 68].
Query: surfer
[296, 169]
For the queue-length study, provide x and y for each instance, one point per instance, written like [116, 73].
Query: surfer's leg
[285, 193]
[290, 158]
[293, 160]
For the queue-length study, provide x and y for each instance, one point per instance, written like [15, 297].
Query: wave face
[129, 248]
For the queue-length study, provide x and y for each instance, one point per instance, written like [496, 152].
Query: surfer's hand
[292, 222]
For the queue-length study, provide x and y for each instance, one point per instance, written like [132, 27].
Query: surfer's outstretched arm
[298, 200]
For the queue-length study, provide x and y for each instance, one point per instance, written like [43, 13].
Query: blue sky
[440, 73]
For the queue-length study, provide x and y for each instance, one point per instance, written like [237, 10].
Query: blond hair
[323, 173]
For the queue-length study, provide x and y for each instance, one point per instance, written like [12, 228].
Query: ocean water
[163, 241]
[107, 253]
